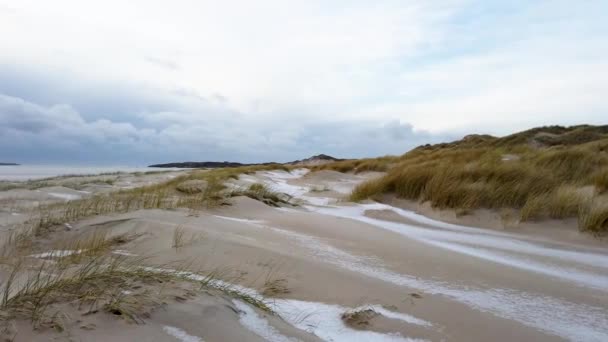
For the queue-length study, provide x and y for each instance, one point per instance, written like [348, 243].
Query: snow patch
[258, 325]
[320, 319]
[67, 197]
[181, 335]
[236, 219]
[573, 321]
[56, 254]
[123, 252]
[396, 315]
[324, 321]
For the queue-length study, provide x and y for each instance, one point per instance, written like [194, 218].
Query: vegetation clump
[381, 164]
[359, 319]
[195, 190]
[552, 172]
[262, 193]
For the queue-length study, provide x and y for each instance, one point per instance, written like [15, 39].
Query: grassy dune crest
[551, 172]
[166, 195]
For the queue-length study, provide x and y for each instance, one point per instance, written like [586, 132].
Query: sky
[140, 82]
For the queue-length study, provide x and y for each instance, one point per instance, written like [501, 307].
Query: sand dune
[338, 271]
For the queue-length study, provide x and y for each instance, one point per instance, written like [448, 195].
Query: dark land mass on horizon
[214, 165]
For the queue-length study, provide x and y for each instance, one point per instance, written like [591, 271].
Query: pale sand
[427, 279]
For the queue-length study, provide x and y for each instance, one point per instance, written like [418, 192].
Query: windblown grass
[164, 195]
[593, 217]
[360, 165]
[83, 270]
[182, 238]
[85, 273]
[178, 237]
[94, 279]
[487, 172]
[601, 180]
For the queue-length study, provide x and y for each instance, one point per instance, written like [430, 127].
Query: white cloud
[264, 56]
[277, 79]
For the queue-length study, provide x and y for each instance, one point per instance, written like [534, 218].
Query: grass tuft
[594, 217]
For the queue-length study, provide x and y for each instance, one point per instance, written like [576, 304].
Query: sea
[33, 172]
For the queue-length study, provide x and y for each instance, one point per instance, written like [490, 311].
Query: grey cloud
[93, 99]
[32, 133]
[20, 115]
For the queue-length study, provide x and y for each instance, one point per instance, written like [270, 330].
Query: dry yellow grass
[158, 196]
[593, 216]
[511, 172]
[601, 180]
[360, 165]
[88, 276]
[81, 269]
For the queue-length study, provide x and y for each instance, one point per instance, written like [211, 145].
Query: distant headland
[318, 159]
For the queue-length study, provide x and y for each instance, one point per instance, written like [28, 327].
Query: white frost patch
[396, 315]
[570, 320]
[181, 335]
[287, 210]
[248, 179]
[236, 219]
[15, 214]
[319, 201]
[258, 325]
[123, 252]
[67, 197]
[294, 174]
[56, 254]
[502, 248]
[343, 188]
[281, 185]
[324, 321]
[320, 319]
[278, 182]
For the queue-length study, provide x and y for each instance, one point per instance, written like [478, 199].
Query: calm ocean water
[27, 172]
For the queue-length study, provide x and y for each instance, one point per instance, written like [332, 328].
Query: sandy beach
[417, 278]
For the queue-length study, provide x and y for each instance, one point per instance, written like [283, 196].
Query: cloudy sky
[136, 82]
